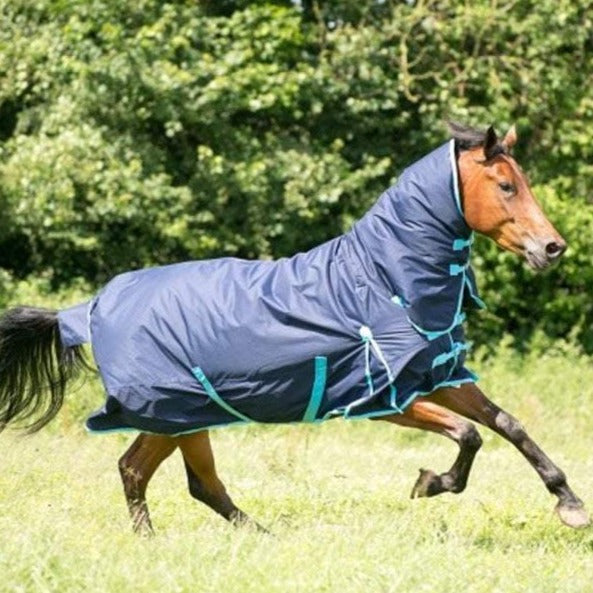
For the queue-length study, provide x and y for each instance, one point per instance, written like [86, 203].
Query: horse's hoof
[261, 529]
[427, 484]
[244, 521]
[144, 531]
[574, 516]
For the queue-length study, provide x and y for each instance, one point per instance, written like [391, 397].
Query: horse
[367, 325]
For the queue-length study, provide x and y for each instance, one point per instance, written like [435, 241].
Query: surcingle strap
[201, 377]
[310, 414]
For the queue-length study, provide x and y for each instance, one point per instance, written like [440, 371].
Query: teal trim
[412, 397]
[201, 377]
[124, 429]
[318, 389]
[335, 413]
[481, 304]
[376, 414]
[429, 335]
[393, 409]
[447, 383]
[474, 376]
[393, 398]
[454, 174]
[346, 411]
[433, 335]
[369, 379]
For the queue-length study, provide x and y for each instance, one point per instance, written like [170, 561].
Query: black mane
[466, 137]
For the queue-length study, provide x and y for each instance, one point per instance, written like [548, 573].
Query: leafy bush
[142, 133]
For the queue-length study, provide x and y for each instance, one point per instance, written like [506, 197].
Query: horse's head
[497, 200]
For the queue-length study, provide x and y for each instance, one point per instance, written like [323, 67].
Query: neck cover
[417, 243]
[357, 327]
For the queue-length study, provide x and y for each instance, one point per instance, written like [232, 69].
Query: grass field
[335, 497]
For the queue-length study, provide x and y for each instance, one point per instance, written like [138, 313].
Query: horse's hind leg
[136, 466]
[469, 401]
[426, 415]
[203, 481]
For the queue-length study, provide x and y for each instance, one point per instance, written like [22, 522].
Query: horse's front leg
[425, 415]
[469, 401]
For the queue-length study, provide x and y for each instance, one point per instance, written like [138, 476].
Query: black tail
[34, 366]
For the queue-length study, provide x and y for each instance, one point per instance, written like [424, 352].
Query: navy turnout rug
[356, 327]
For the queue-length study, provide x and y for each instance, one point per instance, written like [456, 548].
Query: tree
[142, 133]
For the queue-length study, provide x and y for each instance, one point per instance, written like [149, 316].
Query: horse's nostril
[555, 249]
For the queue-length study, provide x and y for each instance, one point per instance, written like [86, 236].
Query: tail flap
[74, 325]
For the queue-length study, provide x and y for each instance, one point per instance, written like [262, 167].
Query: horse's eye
[507, 187]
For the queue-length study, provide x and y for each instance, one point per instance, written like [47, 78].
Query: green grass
[335, 497]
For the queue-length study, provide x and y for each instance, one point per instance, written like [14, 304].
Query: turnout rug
[356, 327]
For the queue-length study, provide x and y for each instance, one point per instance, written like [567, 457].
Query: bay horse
[366, 325]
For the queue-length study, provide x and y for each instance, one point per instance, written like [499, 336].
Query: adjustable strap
[461, 244]
[456, 269]
[446, 356]
[201, 377]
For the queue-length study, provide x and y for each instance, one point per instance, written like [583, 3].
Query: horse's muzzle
[542, 254]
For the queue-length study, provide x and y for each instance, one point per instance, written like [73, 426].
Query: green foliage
[141, 133]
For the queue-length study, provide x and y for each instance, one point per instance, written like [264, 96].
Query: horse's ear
[510, 138]
[491, 146]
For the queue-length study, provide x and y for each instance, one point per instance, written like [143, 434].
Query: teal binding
[310, 414]
[481, 304]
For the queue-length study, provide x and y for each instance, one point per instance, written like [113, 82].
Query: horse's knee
[123, 465]
[554, 480]
[509, 426]
[470, 438]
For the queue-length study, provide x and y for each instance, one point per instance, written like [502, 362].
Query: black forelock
[468, 137]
